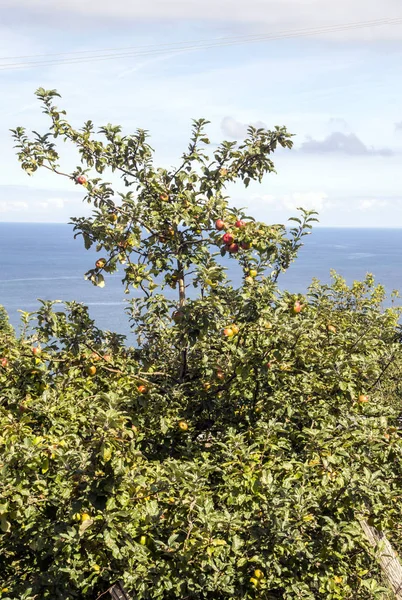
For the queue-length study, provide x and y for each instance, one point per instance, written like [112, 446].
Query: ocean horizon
[42, 260]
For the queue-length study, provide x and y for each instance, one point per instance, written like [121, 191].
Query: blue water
[44, 261]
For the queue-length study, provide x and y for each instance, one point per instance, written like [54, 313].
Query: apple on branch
[100, 263]
[227, 239]
[233, 248]
[240, 224]
[297, 307]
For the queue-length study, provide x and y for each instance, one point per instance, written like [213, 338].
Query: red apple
[245, 245]
[363, 399]
[233, 248]
[100, 263]
[297, 307]
[219, 224]
[220, 374]
[81, 179]
[177, 316]
[36, 351]
[142, 389]
[239, 223]
[4, 362]
[228, 239]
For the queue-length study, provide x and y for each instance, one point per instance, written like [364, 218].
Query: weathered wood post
[118, 592]
[386, 556]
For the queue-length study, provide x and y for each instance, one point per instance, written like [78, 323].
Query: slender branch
[389, 363]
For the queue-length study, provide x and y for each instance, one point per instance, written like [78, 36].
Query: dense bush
[233, 451]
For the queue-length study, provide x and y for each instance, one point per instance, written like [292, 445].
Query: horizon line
[314, 227]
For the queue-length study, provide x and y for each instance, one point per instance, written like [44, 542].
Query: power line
[161, 49]
[360, 24]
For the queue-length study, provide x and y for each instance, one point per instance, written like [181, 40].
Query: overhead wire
[375, 22]
[179, 47]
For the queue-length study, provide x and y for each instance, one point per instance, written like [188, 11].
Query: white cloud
[339, 124]
[55, 203]
[237, 130]
[308, 200]
[263, 199]
[13, 206]
[341, 143]
[371, 203]
[18, 206]
[271, 15]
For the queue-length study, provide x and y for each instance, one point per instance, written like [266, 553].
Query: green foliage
[232, 452]
[5, 327]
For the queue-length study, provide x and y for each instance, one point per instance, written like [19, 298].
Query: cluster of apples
[250, 276]
[257, 578]
[231, 330]
[90, 368]
[220, 375]
[229, 239]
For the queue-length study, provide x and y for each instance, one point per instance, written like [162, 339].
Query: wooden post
[118, 592]
[387, 557]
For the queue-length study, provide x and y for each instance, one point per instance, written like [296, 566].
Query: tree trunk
[182, 302]
[387, 557]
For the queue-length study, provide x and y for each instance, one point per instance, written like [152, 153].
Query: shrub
[233, 451]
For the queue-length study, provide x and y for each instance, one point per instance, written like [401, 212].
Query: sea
[45, 261]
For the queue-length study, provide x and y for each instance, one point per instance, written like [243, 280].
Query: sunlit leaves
[232, 451]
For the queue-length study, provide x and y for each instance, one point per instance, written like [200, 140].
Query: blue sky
[340, 93]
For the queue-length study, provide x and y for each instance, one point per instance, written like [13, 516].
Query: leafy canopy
[233, 451]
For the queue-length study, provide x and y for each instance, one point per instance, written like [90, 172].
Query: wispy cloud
[371, 204]
[52, 203]
[342, 143]
[13, 206]
[237, 130]
[339, 124]
[309, 200]
[151, 61]
[274, 14]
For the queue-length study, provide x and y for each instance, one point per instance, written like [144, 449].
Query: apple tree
[234, 451]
